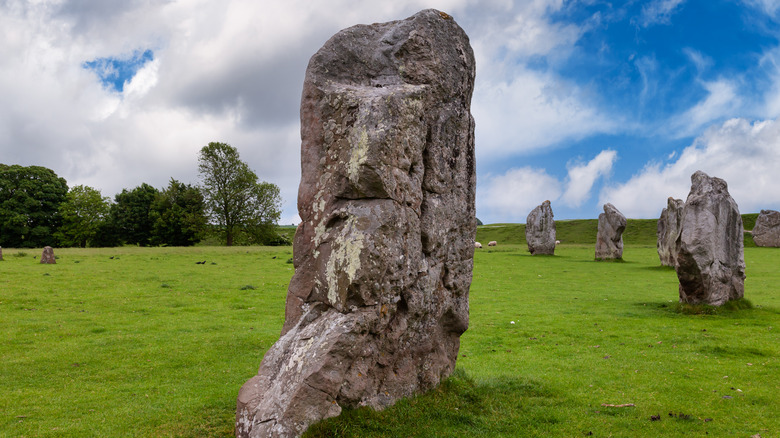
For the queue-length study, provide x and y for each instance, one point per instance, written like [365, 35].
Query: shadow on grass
[659, 268]
[458, 407]
[730, 308]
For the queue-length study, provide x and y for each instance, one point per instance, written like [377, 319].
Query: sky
[579, 102]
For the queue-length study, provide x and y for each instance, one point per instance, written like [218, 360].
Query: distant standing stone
[668, 231]
[540, 230]
[766, 232]
[384, 252]
[609, 240]
[48, 256]
[710, 261]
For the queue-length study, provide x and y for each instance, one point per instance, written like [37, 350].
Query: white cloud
[222, 71]
[722, 100]
[512, 195]
[515, 193]
[582, 177]
[531, 112]
[745, 154]
[770, 7]
[658, 12]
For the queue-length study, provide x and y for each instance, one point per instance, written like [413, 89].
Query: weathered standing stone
[609, 239]
[766, 232]
[668, 231]
[48, 256]
[710, 261]
[540, 230]
[383, 255]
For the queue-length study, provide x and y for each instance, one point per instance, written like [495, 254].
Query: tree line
[37, 208]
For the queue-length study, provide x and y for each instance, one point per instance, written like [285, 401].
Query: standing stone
[766, 232]
[609, 240]
[383, 255]
[540, 230]
[668, 231]
[48, 256]
[710, 261]
[1, 253]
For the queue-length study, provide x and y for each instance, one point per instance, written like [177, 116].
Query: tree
[83, 213]
[178, 214]
[30, 199]
[130, 214]
[260, 227]
[234, 197]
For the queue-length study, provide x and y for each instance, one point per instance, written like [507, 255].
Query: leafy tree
[234, 197]
[261, 225]
[130, 214]
[84, 212]
[30, 199]
[179, 215]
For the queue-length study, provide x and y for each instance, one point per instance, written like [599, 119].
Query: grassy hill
[583, 231]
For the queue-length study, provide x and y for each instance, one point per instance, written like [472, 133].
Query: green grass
[149, 343]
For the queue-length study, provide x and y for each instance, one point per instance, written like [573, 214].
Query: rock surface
[540, 230]
[383, 255]
[766, 232]
[47, 257]
[609, 240]
[1, 253]
[710, 261]
[668, 231]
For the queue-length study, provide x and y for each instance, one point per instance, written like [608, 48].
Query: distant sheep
[557, 242]
[477, 245]
[492, 243]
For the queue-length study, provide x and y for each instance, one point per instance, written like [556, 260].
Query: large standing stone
[47, 257]
[540, 230]
[668, 231]
[609, 238]
[383, 255]
[710, 261]
[766, 232]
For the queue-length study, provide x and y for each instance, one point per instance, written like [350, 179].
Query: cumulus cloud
[520, 109]
[745, 154]
[582, 177]
[221, 71]
[532, 111]
[514, 193]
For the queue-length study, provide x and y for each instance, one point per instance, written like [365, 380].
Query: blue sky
[580, 102]
[114, 72]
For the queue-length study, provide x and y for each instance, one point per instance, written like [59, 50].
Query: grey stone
[710, 261]
[47, 257]
[383, 255]
[668, 231]
[766, 232]
[609, 239]
[540, 230]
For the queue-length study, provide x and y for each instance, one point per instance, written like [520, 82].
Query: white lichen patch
[359, 146]
[344, 260]
[297, 359]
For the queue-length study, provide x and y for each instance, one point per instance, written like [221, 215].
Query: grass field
[145, 342]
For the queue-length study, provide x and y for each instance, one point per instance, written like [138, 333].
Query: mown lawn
[145, 342]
